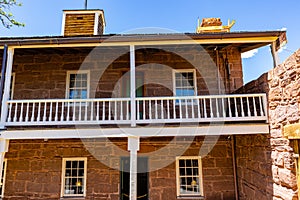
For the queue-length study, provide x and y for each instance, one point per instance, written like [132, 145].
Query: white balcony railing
[212, 108]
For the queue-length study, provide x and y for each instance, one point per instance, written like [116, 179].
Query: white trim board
[98, 132]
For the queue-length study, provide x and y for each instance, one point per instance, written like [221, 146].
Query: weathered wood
[292, 131]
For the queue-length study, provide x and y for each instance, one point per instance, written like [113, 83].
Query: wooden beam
[221, 129]
[292, 131]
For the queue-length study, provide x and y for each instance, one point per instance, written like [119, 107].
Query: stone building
[89, 115]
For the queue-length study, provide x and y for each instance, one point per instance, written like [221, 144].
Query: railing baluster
[97, 111]
[192, 106]
[144, 109]
[186, 109]
[121, 110]
[27, 112]
[260, 98]
[229, 107]
[180, 111]
[174, 108]
[155, 106]
[45, 112]
[168, 108]
[248, 107]
[204, 108]
[223, 108]
[161, 109]
[211, 108]
[16, 112]
[50, 113]
[74, 112]
[235, 107]
[21, 113]
[115, 113]
[217, 107]
[109, 110]
[103, 110]
[138, 109]
[9, 114]
[127, 110]
[85, 110]
[33, 110]
[62, 111]
[38, 118]
[254, 107]
[198, 108]
[68, 111]
[242, 106]
[56, 112]
[92, 111]
[79, 112]
[150, 110]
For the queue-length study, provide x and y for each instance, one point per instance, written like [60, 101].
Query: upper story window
[184, 83]
[74, 177]
[3, 178]
[189, 176]
[78, 84]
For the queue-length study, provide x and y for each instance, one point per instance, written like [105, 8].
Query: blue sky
[43, 17]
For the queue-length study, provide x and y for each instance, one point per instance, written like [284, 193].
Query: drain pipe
[234, 166]
[3, 71]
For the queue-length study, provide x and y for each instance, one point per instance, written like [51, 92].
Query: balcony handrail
[167, 109]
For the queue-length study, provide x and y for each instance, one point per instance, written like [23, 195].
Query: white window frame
[64, 160]
[200, 176]
[11, 95]
[3, 177]
[174, 83]
[68, 81]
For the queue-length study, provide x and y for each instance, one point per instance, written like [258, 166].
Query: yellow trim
[157, 42]
[215, 28]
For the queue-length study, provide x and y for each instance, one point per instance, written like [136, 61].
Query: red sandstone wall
[42, 73]
[284, 108]
[34, 168]
[266, 166]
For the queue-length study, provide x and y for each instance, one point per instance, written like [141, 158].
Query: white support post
[274, 54]
[132, 86]
[133, 147]
[6, 94]
[3, 149]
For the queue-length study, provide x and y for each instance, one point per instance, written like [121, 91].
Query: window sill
[72, 197]
[190, 197]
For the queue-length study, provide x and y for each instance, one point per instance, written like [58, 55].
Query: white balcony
[148, 110]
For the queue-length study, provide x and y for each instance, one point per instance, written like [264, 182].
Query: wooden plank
[292, 131]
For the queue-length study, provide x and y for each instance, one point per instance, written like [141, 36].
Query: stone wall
[34, 167]
[284, 109]
[266, 167]
[41, 74]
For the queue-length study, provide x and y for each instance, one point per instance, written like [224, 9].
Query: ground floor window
[3, 178]
[189, 176]
[74, 177]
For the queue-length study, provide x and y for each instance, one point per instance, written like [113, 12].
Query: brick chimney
[83, 22]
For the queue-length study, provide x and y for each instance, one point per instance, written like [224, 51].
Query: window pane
[181, 163]
[78, 86]
[182, 171]
[81, 164]
[188, 163]
[195, 163]
[68, 164]
[74, 177]
[189, 181]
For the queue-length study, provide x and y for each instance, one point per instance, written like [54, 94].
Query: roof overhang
[244, 40]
